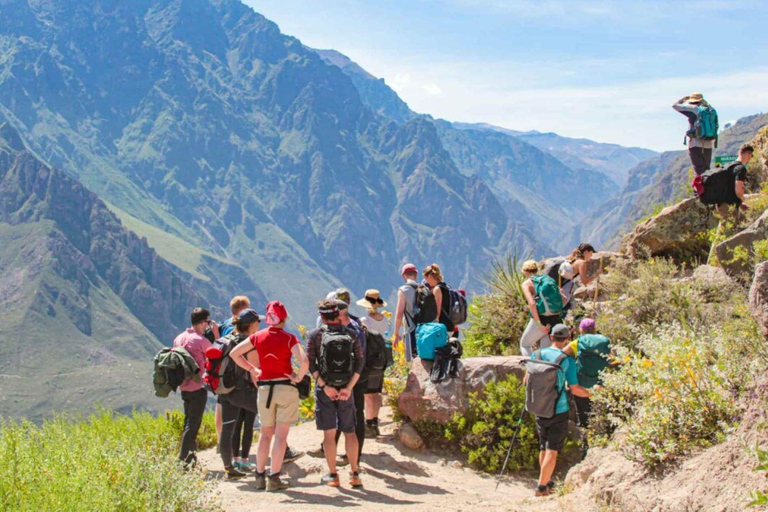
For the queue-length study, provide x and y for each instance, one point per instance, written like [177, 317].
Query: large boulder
[758, 297]
[672, 233]
[423, 400]
[741, 245]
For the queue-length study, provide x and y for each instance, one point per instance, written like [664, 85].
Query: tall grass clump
[104, 462]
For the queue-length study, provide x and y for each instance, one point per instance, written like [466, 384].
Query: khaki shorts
[284, 407]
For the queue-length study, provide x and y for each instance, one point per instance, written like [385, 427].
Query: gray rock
[758, 230]
[758, 297]
[713, 276]
[410, 437]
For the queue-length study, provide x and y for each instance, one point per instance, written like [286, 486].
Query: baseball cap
[561, 332]
[341, 305]
[249, 316]
[329, 309]
[343, 294]
[276, 312]
[409, 268]
[587, 324]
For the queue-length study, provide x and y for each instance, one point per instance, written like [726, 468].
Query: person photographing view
[702, 129]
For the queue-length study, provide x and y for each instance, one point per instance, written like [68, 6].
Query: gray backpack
[542, 390]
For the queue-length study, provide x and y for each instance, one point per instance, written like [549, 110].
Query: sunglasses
[374, 301]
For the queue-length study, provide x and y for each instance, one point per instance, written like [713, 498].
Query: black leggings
[194, 409]
[231, 405]
[241, 442]
[358, 395]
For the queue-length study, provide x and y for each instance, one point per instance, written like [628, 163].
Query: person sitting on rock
[580, 258]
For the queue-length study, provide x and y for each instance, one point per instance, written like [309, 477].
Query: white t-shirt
[377, 326]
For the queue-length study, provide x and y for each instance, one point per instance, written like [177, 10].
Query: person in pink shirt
[193, 393]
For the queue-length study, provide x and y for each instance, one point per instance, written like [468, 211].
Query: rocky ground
[392, 475]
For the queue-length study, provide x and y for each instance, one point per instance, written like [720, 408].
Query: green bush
[105, 462]
[485, 431]
[498, 318]
[760, 498]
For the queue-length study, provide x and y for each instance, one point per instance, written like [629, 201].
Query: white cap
[566, 270]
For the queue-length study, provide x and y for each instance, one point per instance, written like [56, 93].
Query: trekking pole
[597, 287]
[509, 451]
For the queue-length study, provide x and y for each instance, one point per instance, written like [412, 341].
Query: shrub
[485, 431]
[105, 462]
[394, 380]
[498, 318]
[759, 498]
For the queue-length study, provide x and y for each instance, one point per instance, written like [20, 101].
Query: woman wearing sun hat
[699, 149]
[375, 322]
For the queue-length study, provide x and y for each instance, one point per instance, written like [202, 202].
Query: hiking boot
[551, 485]
[318, 454]
[370, 431]
[233, 473]
[342, 460]
[354, 479]
[261, 481]
[542, 490]
[275, 483]
[291, 455]
[331, 479]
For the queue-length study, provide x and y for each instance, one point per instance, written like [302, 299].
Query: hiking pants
[583, 411]
[358, 395]
[242, 438]
[231, 405]
[194, 408]
[533, 334]
[701, 159]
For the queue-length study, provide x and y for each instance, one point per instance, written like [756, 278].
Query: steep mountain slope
[83, 300]
[659, 181]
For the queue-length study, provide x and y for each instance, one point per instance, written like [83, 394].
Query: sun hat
[561, 332]
[695, 97]
[530, 266]
[372, 300]
[276, 312]
[587, 324]
[409, 268]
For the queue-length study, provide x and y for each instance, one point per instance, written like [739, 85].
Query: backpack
[336, 360]
[457, 307]
[718, 185]
[542, 390]
[446, 363]
[376, 357]
[429, 337]
[706, 125]
[549, 302]
[558, 269]
[220, 370]
[425, 308]
[592, 358]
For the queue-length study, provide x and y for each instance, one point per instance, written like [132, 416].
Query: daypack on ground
[542, 389]
[718, 185]
[457, 307]
[173, 366]
[220, 370]
[376, 357]
[336, 360]
[706, 125]
[425, 308]
[592, 358]
[446, 363]
[429, 337]
[549, 302]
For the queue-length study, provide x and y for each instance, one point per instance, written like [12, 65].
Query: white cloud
[432, 89]
[399, 82]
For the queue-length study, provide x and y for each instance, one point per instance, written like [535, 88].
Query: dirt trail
[392, 476]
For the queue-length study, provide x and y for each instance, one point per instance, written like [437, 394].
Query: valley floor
[392, 476]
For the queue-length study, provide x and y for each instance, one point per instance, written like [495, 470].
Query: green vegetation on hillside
[104, 462]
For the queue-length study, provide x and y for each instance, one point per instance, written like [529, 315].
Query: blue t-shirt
[569, 375]
[226, 327]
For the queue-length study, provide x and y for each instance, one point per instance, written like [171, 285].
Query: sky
[607, 70]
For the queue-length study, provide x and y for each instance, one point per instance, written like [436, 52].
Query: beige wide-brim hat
[372, 299]
[695, 97]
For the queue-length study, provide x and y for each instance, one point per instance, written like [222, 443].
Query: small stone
[410, 437]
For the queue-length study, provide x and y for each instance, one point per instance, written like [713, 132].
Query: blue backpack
[429, 337]
[706, 125]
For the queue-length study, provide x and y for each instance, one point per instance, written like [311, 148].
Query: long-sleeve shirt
[691, 111]
[315, 339]
[196, 345]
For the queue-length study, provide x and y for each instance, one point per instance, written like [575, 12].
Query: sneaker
[342, 460]
[551, 485]
[542, 490]
[275, 483]
[233, 473]
[331, 479]
[245, 465]
[370, 431]
[354, 479]
[291, 455]
[261, 481]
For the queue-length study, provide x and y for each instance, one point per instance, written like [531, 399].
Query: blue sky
[605, 70]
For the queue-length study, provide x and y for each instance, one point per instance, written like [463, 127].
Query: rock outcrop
[423, 400]
[758, 297]
[741, 262]
[673, 232]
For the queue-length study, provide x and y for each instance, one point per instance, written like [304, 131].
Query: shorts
[334, 414]
[552, 431]
[284, 407]
[375, 382]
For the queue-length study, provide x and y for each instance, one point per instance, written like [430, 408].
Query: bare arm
[568, 351]
[250, 364]
[740, 190]
[528, 292]
[578, 390]
[399, 313]
[301, 357]
[585, 279]
[438, 293]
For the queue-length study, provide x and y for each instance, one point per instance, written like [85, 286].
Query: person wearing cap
[580, 258]
[242, 401]
[552, 431]
[335, 406]
[539, 325]
[271, 367]
[375, 322]
[699, 150]
[405, 327]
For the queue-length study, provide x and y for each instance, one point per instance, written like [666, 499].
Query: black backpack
[425, 309]
[336, 359]
[375, 351]
[719, 186]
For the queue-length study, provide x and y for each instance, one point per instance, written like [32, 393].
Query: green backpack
[549, 302]
[592, 358]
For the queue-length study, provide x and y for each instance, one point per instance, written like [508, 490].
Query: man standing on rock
[553, 429]
[702, 130]
[406, 300]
